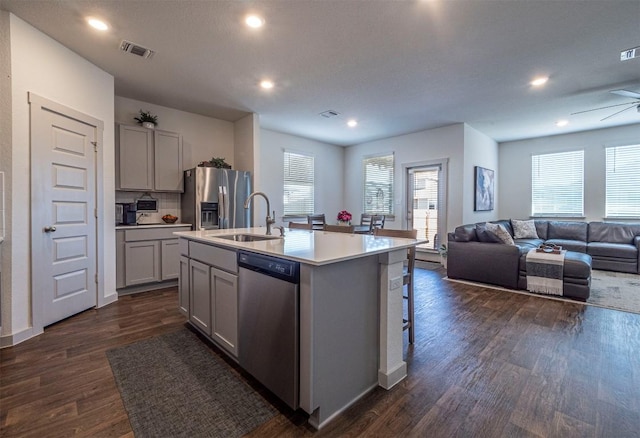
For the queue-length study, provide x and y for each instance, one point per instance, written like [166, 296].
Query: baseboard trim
[16, 338]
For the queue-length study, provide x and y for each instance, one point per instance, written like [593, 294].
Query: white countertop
[155, 225]
[310, 247]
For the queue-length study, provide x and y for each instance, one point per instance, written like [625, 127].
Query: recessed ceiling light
[266, 84]
[97, 24]
[538, 82]
[254, 21]
[352, 123]
[561, 123]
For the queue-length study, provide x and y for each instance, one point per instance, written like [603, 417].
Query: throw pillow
[485, 235]
[524, 229]
[500, 231]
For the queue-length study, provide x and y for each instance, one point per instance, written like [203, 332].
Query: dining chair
[374, 221]
[339, 228]
[316, 221]
[407, 277]
[299, 226]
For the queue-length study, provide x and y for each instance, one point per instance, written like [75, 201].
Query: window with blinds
[557, 184]
[298, 184]
[378, 184]
[623, 182]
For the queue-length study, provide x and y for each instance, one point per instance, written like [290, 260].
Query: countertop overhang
[315, 248]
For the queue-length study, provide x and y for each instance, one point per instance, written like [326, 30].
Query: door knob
[49, 229]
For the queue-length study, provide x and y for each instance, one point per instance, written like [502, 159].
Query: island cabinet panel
[200, 296]
[224, 309]
[148, 159]
[183, 286]
[170, 259]
[143, 262]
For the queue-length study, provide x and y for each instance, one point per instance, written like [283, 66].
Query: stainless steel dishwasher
[268, 322]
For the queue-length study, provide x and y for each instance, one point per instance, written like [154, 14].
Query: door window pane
[378, 184]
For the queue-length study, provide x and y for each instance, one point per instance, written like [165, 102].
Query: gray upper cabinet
[148, 160]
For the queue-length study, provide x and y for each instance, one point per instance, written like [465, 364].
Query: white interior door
[63, 213]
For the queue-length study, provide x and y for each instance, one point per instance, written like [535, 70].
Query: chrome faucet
[269, 220]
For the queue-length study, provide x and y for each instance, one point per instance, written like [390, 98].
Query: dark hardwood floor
[486, 363]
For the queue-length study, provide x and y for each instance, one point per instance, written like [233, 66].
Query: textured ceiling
[396, 66]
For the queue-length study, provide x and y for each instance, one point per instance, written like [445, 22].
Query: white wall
[202, 137]
[515, 167]
[329, 173]
[42, 66]
[479, 150]
[433, 144]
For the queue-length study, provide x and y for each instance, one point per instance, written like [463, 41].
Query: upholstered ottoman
[576, 275]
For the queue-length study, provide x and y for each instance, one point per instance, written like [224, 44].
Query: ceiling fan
[628, 105]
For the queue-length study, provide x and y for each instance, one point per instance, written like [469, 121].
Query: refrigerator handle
[221, 202]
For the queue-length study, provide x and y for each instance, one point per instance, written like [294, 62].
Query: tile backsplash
[168, 203]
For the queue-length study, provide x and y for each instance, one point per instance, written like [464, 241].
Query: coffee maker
[126, 213]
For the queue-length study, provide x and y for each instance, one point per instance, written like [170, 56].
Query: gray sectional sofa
[475, 255]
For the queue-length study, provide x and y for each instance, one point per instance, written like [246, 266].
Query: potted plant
[218, 163]
[443, 255]
[147, 120]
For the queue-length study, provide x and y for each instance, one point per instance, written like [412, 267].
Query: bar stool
[316, 221]
[299, 226]
[407, 277]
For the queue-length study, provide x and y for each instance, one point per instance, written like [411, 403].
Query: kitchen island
[350, 306]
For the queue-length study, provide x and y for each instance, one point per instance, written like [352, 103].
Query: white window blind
[378, 184]
[298, 184]
[557, 184]
[623, 181]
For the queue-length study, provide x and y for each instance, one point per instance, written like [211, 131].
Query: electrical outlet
[395, 283]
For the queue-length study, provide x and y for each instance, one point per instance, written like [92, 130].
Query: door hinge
[95, 146]
[95, 213]
[96, 278]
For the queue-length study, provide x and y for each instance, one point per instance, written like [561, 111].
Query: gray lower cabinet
[147, 255]
[209, 289]
[142, 262]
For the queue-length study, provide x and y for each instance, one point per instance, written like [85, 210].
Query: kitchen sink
[246, 237]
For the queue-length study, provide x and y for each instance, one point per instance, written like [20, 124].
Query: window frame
[627, 190]
[285, 181]
[556, 167]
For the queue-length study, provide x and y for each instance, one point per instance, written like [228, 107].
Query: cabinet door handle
[50, 229]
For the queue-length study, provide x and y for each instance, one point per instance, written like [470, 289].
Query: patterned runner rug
[174, 386]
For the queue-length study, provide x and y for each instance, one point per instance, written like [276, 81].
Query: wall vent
[136, 49]
[329, 113]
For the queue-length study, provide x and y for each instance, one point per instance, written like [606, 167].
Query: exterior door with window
[426, 204]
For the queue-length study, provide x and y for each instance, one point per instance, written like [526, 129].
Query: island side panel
[339, 342]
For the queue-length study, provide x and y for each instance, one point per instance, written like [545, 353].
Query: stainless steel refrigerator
[214, 198]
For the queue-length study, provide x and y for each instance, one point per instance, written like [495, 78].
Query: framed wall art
[484, 193]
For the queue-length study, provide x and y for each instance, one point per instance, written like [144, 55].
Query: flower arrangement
[344, 216]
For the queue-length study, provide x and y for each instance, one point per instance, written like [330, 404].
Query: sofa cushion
[568, 230]
[485, 235]
[569, 245]
[613, 232]
[524, 229]
[542, 227]
[527, 244]
[465, 233]
[500, 231]
[618, 250]
[506, 223]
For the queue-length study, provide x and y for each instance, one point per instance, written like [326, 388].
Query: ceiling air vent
[135, 49]
[329, 113]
